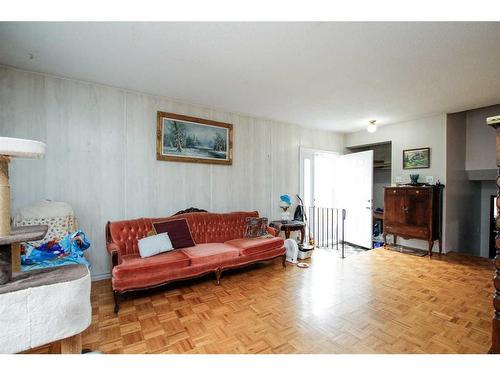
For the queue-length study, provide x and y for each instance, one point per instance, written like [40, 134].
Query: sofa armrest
[272, 231]
[113, 248]
[114, 251]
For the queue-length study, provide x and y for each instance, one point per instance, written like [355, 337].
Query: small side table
[290, 226]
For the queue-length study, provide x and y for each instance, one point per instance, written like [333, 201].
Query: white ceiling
[333, 76]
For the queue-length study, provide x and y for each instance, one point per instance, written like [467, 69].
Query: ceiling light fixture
[372, 128]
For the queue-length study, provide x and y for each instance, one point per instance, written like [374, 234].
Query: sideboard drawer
[407, 231]
[395, 191]
[418, 192]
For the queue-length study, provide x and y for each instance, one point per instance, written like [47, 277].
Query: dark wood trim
[189, 210]
[495, 334]
[218, 273]
[118, 296]
[107, 233]
[492, 229]
[114, 253]
[114, 259]
[160, 156]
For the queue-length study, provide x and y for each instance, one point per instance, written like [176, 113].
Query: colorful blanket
[68, 250]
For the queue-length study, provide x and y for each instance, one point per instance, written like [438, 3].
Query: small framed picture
[417, 158]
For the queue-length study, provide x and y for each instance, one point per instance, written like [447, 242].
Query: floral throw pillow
[256, 227]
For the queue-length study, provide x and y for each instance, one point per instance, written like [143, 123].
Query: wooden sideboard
[414, 212]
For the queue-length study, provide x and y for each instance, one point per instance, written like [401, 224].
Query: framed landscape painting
[417, 158]
[194, 140]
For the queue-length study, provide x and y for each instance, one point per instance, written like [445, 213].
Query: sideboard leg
[431, 243]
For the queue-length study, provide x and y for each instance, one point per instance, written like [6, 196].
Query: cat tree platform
[44, 306]
[10, 260]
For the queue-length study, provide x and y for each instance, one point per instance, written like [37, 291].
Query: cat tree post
[15, 249]
[4, 196]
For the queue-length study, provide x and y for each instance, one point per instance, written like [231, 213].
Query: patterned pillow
[256, 227]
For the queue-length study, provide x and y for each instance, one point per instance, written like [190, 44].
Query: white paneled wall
[101, 155]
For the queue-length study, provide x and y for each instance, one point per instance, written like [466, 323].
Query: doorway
[333, 185]
[382, 177]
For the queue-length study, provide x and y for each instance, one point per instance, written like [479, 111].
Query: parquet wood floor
[375, 302]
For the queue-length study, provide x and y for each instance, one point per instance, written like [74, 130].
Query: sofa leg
[116, 296]
[284, 261]
[218, 273]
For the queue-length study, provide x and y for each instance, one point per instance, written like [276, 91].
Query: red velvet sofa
[220, 245]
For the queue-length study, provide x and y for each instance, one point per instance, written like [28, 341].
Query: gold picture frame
[193, 140]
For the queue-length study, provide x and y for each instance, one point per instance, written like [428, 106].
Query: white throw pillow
[153, 245]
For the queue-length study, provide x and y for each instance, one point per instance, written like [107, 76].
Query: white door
[354, 193]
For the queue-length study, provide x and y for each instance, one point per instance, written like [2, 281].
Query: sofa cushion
[207, 253]
[134, 264]
[250, 246]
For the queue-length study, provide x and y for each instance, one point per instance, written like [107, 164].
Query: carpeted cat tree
[43, 306]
